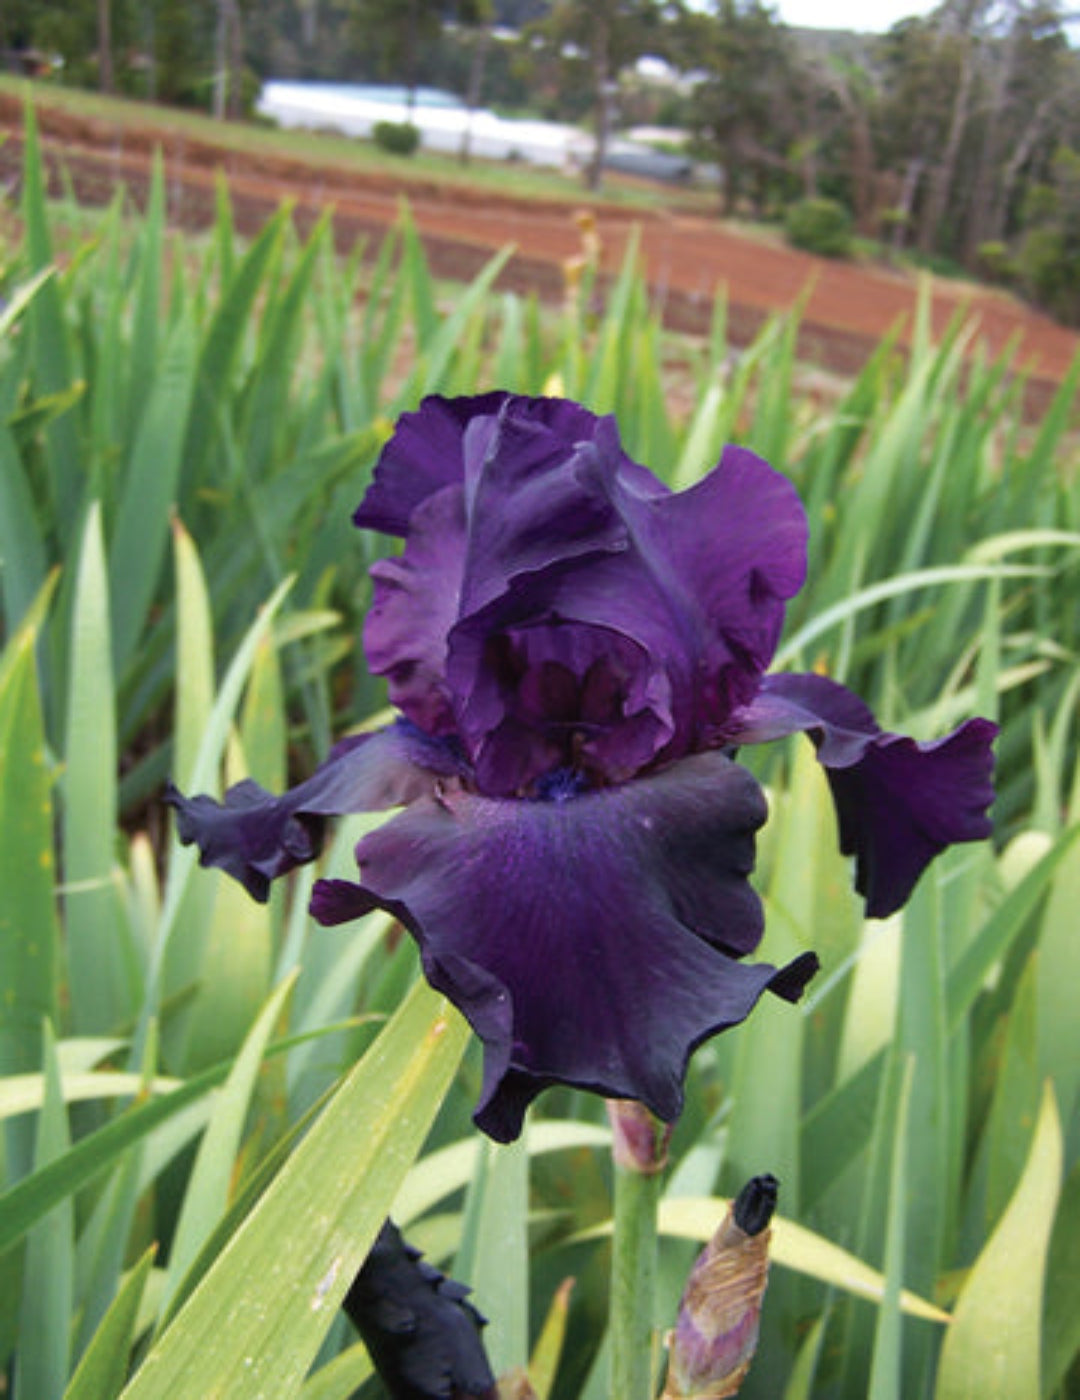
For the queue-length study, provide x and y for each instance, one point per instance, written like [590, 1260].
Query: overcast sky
[870, 16]
[867, 15]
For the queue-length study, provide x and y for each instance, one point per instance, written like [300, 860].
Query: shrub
[994, 261]
[399, 138]
[1050, 271]
[819, 226]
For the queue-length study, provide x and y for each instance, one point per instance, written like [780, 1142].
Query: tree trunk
[309, 23]
[985, 184]
[594, 171]
[809, 164]
[411, 58]
[481, 46]
[228, 61]
[942, 178]
[908, 190]
[150, 45]
[234, 105]
[104, 42]
[1010, 173]
[856, 108]
[862, 170]
[221, 60]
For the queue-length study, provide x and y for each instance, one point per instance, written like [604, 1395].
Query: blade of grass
[49, 338]
[30, 942]
[493, 1256]
[104, 1366]
[992, 1350]
[48, 1281]
[103, 964]
[886, 1372]
[148, 494]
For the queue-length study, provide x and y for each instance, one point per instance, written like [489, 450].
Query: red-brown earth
[688, 257]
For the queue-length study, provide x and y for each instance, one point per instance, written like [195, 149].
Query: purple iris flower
[576, 653]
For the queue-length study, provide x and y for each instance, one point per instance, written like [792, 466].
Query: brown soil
[687, 257]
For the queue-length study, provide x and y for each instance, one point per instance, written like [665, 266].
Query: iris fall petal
[593, 941]
[899, 803]
[255, 836]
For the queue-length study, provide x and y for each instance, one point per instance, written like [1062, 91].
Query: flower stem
[640, 1152]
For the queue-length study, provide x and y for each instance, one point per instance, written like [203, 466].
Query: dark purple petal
[899, 802]
[424, 454]
[540, 500]
[421, 1332]
[255, 836]
[592, 941]
[563, 695]
[414, 606]
[679, 620]
[430, 448]
[556, 605]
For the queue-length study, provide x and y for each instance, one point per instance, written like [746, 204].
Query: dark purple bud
[422, 1333]
[754, 1205]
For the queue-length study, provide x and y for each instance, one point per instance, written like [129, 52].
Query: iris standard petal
[680, 597]
[899, 803]
[255, 836]
[429, 450]
[415, 604]
[424, 454]
[592, 941]
[539, 499]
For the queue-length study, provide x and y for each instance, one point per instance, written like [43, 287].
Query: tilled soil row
[848, 308]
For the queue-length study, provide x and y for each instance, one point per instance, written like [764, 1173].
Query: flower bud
[639, 1140]
[716, 1334]
[422, 1333]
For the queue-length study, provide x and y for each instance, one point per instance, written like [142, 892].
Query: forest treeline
[954, 138]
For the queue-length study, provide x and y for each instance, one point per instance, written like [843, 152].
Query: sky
[868, 15]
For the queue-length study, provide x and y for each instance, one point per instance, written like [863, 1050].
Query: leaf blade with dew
[253, 1323]
[208, 1186]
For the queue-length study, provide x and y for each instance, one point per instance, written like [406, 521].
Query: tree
[604, 36]
[480, 18]
[398, 30]
[228, 60]
[741, 111]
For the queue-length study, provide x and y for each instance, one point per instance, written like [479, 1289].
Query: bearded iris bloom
[577, 653]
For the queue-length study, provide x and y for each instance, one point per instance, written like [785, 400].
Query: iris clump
[577, 653]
